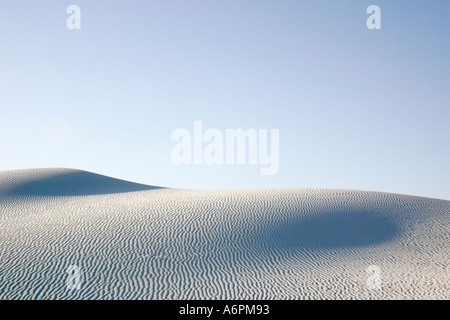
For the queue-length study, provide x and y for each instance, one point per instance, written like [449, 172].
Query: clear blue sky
[356, 108]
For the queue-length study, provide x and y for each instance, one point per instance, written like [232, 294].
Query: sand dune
[133, 241]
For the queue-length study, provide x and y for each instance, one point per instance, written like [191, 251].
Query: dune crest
[64, 182]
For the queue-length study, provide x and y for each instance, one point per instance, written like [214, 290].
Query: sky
[355, 108]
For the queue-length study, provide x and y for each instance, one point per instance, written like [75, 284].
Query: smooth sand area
[133, 241]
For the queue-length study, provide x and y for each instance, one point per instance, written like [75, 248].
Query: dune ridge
[133, 241]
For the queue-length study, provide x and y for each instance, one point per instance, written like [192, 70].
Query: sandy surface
[133, 241]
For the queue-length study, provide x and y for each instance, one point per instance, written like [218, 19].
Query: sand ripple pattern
[139, 242]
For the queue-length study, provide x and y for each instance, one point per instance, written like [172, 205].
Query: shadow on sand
[77, 183]
[333, 230]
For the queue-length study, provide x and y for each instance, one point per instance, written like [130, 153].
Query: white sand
[137, 242]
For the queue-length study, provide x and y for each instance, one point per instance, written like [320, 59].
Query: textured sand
[134, 241]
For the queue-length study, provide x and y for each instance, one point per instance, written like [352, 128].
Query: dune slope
[132, 241]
